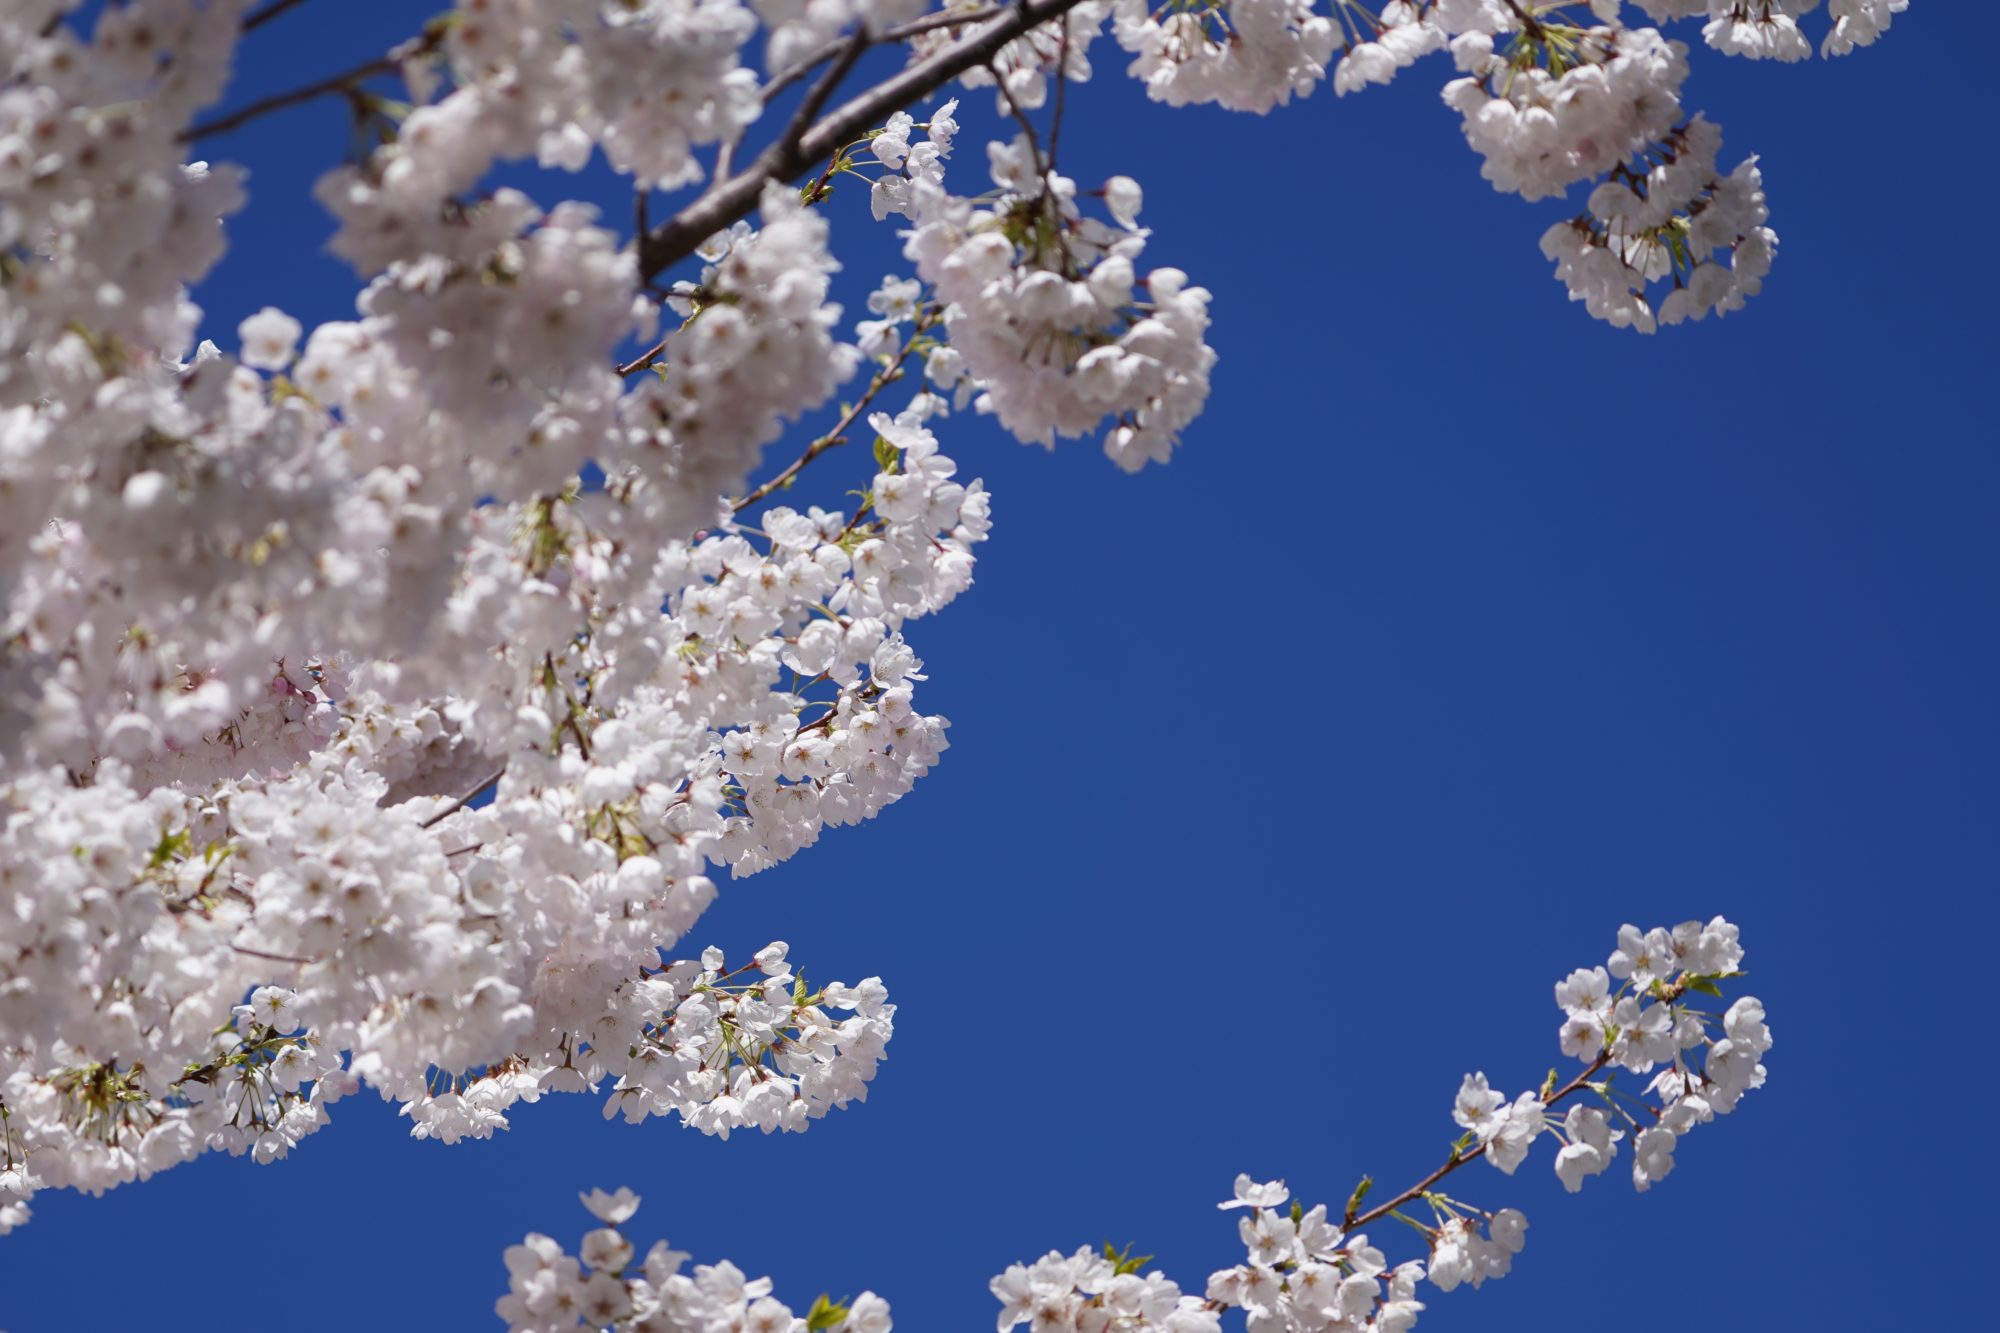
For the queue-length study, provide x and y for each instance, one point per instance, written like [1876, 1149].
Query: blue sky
[1287, 779]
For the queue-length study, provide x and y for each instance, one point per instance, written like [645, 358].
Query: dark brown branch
[728, 200]
[1528, 23]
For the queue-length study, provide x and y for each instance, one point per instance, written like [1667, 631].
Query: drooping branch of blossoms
[1461, 1155]
[1306, 1270]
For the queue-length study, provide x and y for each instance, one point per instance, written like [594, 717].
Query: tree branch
[1418, 1190]
[882, 379]
[728, 200]
[486, 784]
[336, 83]
[644, 360]
[816, 100]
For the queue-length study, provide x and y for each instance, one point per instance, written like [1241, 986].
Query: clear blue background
[1286, 780]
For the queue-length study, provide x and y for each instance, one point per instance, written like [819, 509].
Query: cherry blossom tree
[378, 700]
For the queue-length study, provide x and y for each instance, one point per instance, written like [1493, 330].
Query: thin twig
[274, 957]
[1045, 198]
[1062, 86]
[825, 442]
[260, 17]
[484, 786]
[728, 200]
[1027, 128]
[883, 378]
[337, 83]
[644, 360]
[929, 22]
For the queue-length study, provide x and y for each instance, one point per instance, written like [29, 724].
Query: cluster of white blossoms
[1303, 1272]
[1101, 1292]
[1552, 95]
[607, 1284]
[1634, 1013]
[1309, 1270]
[1564, 105]
[1769, 29]
[755, 346]
[419, 667]
[1051, 328]
[1020, 71]
[765, 1053]
[1251, 55]
[561, 77]
[1674, 219]
[136, 918]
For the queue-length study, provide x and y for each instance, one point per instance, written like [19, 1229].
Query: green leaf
[825, 1314]
[1360, 1193]
[1124, 1261]
[887, 456]
[1705, 985]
